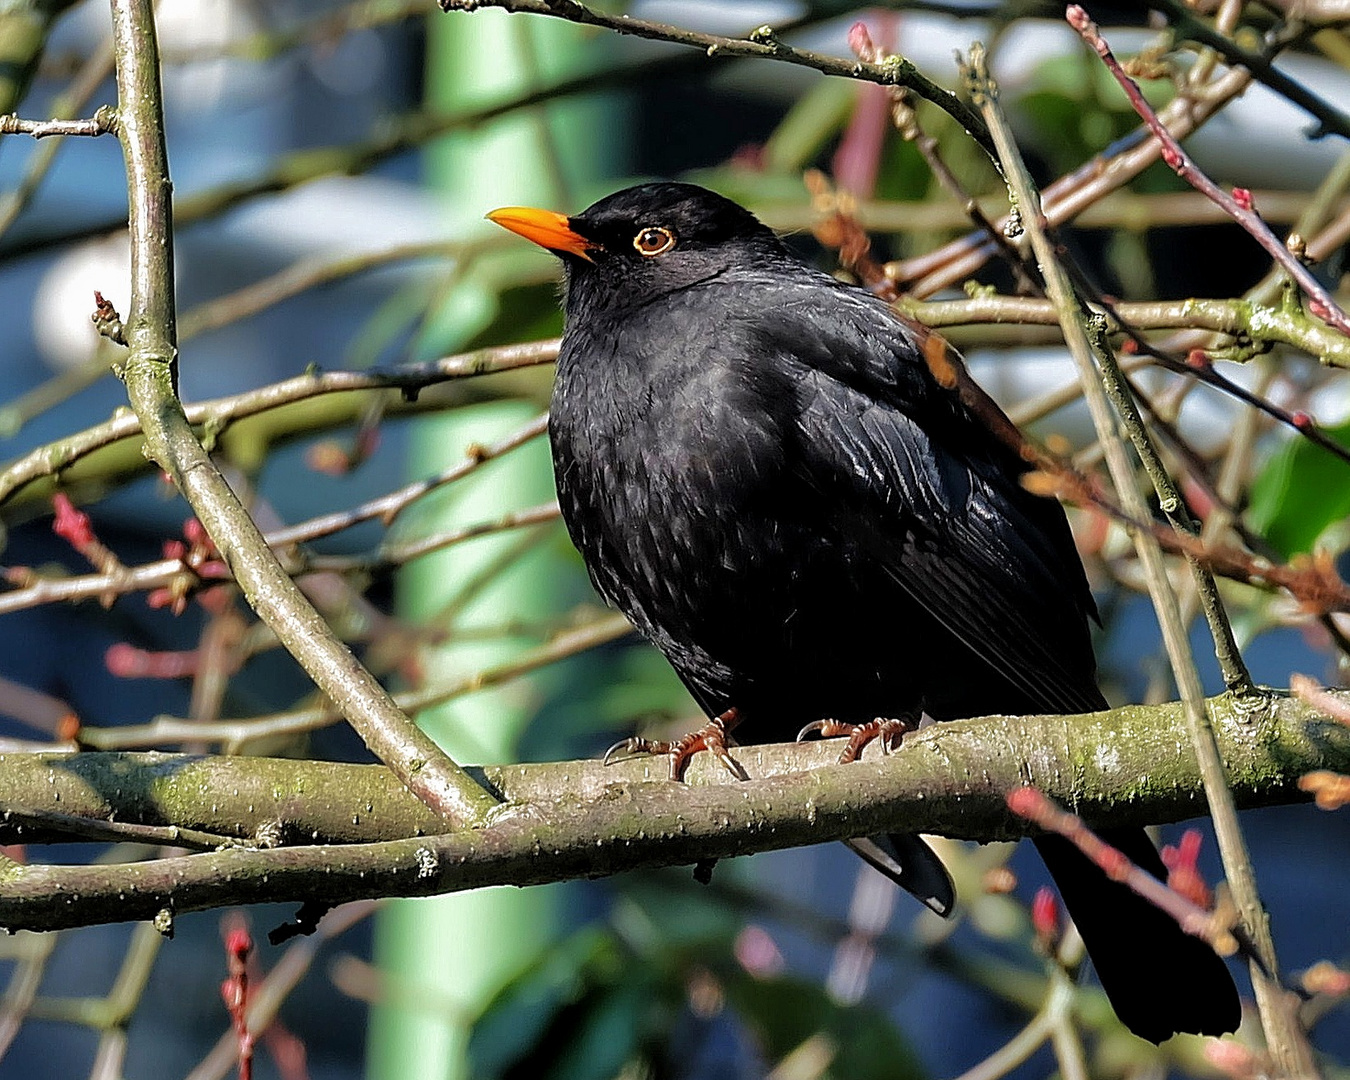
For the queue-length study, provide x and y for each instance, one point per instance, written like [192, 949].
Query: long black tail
[911, 864]
[1160, 979]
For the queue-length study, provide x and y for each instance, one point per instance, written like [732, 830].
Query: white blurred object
[718, 16]
[185, 28]
[342, 215]
[62, 309]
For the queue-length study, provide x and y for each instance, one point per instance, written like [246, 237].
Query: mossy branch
[359, 833]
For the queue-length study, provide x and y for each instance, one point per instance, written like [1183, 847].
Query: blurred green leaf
[751, 187]
[524, 313]
[1301, 491]
[653, 915]
[503, 296]
[817, 117]
[590, 1007]
[551, 1005]
[1076, 110]
[610, 689]
[645, 685]
[616, 1027]
[619, 998]
[904, 175]
[784, 1012]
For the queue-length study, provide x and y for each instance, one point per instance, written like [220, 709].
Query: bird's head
[645, 241]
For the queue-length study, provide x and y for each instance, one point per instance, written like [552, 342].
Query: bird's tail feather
[911, 864]
[1160, 979]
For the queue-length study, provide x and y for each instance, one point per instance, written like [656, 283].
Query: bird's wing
[931, 494]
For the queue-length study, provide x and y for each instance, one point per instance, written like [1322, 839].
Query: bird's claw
[818, 727]
[888, 730]
[635, 746]
[712, 737]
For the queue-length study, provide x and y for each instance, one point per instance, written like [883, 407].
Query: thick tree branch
[1245, 320]
[580, 819]
[150, 377]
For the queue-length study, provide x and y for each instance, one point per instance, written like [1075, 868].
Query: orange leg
[889, 731]
[712, 737]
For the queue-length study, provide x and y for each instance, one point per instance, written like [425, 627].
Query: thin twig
[1031, 804]
[1242, 319]
[392, 137]
[24, 981]
[175, 575]
[1125, 210]
[1278, 1020]
[1330, 119]
[905, 117]
[1064, 1037]
[1307, 689]
[1016, 1051]
[217, 414]
[1320, 301]
[83, 87]
[391, 554]
[168, 731]
[762, 43]
[388, 507]
[1073, 193]
[267, 996]
[101, 123]
[311, 273]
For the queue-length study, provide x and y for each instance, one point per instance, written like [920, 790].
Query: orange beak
[545, 228]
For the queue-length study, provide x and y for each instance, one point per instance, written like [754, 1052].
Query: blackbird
[762, 472]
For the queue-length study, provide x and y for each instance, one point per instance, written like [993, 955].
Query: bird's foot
[712, 737]
[888, 730]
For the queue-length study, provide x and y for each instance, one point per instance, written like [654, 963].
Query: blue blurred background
[651, 955]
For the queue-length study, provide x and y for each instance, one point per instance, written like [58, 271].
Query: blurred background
[332, 163]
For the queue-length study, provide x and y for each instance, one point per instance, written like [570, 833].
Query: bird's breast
[671, 479]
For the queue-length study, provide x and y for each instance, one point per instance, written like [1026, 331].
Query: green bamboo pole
[456, 951]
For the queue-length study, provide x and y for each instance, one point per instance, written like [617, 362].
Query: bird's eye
[654, 240]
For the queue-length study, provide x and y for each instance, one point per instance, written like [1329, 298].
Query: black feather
[761, 471]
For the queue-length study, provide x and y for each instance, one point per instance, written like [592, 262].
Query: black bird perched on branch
[762, 472]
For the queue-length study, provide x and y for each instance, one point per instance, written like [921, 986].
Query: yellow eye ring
[654, 240]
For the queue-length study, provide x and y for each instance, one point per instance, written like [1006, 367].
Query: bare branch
[581, 819]
[762, 43]
[56, 457]
[1239, 204]
[149, 375]
[1101, 380]
[101, 123]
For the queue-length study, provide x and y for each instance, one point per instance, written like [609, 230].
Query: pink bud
[238, 942]
[1026, 802]
[1045, 915]
[860, 41]
[70, 524]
